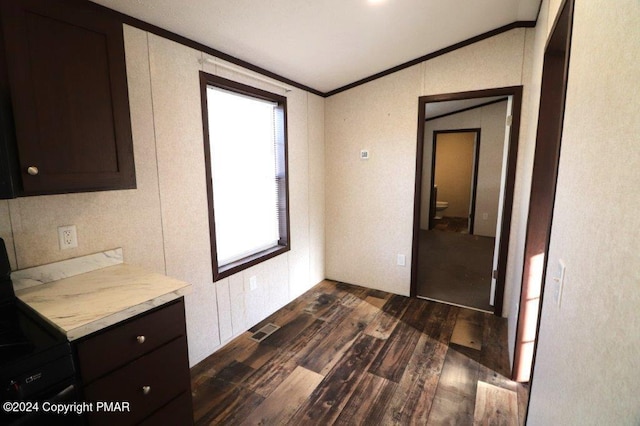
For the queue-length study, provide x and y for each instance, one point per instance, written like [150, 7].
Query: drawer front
[177, 412]
[147, 384]
[113, 348]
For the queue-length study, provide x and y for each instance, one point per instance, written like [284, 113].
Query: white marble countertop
[87, 302]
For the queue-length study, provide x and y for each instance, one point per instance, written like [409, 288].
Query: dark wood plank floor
[350, 355]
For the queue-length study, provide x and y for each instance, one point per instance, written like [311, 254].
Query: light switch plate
[559, 281]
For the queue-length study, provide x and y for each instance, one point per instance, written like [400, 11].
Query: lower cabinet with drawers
[139, 366]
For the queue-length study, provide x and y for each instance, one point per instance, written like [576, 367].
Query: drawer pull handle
[33, 170]
[146, 390]
[141, 339]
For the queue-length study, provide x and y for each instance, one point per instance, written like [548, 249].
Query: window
[246, 164]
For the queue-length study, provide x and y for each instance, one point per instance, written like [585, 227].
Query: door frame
[512, 156]
[553, 93]
[474, 183]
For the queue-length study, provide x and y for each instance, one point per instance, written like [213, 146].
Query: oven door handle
[63, 395]
[32, 418]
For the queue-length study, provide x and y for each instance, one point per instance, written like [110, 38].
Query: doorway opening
[454, 179]
[455, 265]
[488, 212]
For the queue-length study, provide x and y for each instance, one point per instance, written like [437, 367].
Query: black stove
[36, 364]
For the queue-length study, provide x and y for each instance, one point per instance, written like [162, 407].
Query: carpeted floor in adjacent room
[456, 268]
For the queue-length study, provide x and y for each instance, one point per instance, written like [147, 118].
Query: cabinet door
[67, 77]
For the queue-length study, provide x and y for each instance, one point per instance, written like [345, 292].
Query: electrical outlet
[67, 237]
[401, 260]
[253, 283]
[485, 216]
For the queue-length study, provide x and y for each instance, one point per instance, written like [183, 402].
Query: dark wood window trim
[516, 92]
[284, 244]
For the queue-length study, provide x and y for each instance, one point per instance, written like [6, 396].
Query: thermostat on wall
[364, 154]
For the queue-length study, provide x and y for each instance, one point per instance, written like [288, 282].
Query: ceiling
[328, 44]
[436, 109]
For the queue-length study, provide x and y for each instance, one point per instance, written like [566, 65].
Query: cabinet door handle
[33, 170]
[146, 390]
[141, 339]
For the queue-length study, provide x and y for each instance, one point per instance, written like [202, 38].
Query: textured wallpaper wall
[163, 224]
[587, 368]
[370, 203]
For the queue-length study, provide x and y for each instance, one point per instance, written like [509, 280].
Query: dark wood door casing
[555, 72]
[503, 247]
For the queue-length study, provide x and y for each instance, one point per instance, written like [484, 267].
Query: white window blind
[243, 169]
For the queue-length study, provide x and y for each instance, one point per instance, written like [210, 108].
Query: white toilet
[440, 207]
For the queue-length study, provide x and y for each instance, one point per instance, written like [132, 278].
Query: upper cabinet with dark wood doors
[66, 80]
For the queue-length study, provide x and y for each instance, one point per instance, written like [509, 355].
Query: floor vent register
[264, 332]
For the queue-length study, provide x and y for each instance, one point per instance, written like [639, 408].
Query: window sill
[247, 262]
